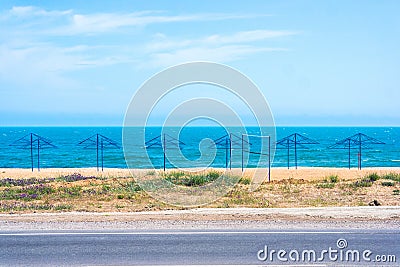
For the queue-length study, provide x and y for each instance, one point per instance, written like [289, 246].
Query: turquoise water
[68, 154]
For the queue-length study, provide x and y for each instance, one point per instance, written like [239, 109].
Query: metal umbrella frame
[229, 142]
[29, 142]
[294, 141]
[99, 142]
[161, 141]
[360, 141]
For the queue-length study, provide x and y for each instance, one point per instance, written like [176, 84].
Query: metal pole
[102, 155]
[242, 152]
[269, 159]
[164, 149]
[32, 151]
[349, 154]
[97, 151]
[230, 151]
[38, 154]
[226, 153]
[288, 158]
[359, 139]
[295, 148]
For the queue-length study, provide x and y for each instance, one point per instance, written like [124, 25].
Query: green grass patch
[245, 180]
[362, 183]
[62, 207]
[332, 179]
[73, 191]
[289, 189]
[367, 181]
[326, 185]
[392, 176]
[373, 177]
[132, 187]
[387, 183]
[13, 207]
[74, 177]
[26, 193]
[329, 182]
[106, 187]
[191, 179]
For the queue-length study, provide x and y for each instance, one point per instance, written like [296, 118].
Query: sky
[316, 62]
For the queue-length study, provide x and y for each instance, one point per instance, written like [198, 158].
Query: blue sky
[317, 62]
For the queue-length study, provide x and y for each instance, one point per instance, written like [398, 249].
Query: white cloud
[21, 11]
[225, 54]
[30, 11]
[27, 63]
[30, 46]
[107, 22]
[219, 48]
[247, 36]
[46, 66]
[162, 42]
[36, 65]
[97, 23]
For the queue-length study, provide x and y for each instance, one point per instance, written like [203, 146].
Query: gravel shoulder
[379, 218]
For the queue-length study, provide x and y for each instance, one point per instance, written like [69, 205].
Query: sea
[60, 148]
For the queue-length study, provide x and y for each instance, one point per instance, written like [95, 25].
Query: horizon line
[214, 126]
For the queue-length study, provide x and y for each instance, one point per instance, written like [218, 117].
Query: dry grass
[120, 192]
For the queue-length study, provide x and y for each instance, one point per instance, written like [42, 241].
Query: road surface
[213, 247]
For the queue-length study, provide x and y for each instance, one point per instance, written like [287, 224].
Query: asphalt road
[200, 248]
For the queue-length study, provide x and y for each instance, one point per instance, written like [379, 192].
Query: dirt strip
[384, 217]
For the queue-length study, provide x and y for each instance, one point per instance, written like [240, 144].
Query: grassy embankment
[98, 194]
